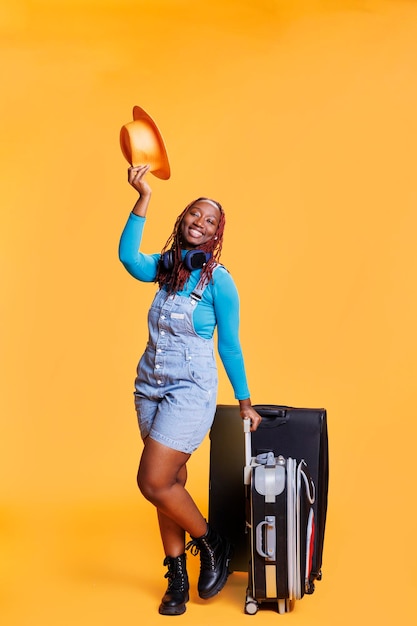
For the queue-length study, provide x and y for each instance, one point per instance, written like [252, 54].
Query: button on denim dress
[176, 383]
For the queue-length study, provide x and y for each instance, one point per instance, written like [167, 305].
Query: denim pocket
[203, 373]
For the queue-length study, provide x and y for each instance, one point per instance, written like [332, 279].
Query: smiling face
[199, 224]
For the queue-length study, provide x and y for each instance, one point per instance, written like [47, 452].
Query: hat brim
[130, 140]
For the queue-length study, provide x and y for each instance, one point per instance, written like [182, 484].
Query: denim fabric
[176, 383]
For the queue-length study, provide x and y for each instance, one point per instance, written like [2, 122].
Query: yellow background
[300, 117]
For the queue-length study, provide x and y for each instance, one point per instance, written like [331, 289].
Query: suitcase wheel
[251, 605]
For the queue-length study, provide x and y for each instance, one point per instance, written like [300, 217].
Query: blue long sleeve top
[219, 305]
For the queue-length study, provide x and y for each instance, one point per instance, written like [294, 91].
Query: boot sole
[222, 581]
[174, 610]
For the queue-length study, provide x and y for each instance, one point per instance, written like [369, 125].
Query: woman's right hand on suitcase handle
[248, 412]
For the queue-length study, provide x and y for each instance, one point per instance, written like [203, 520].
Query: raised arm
[141, 266]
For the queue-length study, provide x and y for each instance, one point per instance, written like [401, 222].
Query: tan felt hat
[142, 144]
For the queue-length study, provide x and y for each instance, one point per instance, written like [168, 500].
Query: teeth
[195, 233]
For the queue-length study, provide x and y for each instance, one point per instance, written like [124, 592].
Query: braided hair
[175, 278]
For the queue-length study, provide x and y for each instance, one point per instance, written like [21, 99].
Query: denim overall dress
[176, 383]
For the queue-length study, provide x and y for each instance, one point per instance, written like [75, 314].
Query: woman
[176, 384]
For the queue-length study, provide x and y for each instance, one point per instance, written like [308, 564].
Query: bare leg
[172, 535]
[161, 479]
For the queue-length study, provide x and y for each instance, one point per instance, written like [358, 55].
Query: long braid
[175, 278]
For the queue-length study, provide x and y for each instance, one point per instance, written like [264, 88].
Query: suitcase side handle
[266, 538]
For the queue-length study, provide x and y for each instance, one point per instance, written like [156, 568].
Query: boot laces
[207, 557]
[175, 575]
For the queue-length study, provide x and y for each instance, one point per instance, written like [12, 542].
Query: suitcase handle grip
[269, 551]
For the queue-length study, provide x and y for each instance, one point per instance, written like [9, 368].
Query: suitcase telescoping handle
[248, 451]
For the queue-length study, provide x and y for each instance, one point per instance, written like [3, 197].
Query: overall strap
[197, 293]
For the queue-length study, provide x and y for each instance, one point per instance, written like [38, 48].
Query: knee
[144, 485]
[156, 478]
[155, 489]
[150, 488]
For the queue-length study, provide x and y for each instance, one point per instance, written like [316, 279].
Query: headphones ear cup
[196, 259]
[167, 260]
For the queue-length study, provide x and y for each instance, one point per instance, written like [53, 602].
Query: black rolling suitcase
[290, 439]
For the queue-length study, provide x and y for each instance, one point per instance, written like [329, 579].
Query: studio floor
[103, 565]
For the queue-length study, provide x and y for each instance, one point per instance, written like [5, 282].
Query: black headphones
[193, 260]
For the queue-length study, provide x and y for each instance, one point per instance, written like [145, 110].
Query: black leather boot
[215, 554]
[176, 595]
